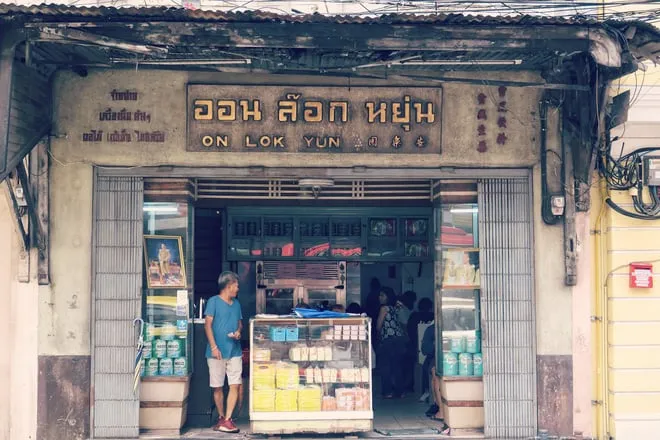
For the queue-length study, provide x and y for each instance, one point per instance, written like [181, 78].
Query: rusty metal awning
[177, 38]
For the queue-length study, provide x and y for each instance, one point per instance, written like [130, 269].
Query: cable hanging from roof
[639, 10]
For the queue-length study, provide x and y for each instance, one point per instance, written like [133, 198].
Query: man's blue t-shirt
[225, 320]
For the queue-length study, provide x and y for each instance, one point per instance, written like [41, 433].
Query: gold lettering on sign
[254, 113]
[203, 109]
[401, 111]
[421, 114]
[287, 110]
[381, 113]
[313, 111]
[342, 106]
[220, 141]
[322, 142]
[226, 110]
[310, 119]
[249, 143]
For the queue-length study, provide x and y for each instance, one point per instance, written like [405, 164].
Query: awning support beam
[74, 36]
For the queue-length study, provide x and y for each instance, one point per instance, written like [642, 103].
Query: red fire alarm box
[641, 275]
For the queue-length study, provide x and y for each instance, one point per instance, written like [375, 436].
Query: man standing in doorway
[223, 354]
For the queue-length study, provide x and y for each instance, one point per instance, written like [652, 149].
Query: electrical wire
[640, 10]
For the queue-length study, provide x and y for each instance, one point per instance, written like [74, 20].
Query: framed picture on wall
[164, 262]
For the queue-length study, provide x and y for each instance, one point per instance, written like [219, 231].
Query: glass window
[458, 282]
[167, 276]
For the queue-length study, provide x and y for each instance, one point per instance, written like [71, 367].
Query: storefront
[308, 186]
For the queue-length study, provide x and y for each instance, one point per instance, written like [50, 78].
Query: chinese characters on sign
[314, 119]
[487, 99]
[112, 116]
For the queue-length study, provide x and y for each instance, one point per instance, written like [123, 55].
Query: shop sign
[314, 119]
[641, 275]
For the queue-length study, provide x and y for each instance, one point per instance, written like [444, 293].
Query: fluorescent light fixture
[462, 63]
[182, 62]
[416, 61]
[462, 210]
[160, 208]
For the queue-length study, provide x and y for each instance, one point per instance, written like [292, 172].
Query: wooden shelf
[462, 378]
[459, 287]
[165, 378]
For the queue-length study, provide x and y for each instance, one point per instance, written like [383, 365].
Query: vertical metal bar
[117, 292]
[507, 308]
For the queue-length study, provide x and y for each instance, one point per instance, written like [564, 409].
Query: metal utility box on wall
[652, 170]
[641, 275]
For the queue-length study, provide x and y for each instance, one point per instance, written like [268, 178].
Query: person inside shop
[423, 315]
[428, 349]
[339, 308]
[354, 308]
[223, 325]
[404, 309]
[391, 347]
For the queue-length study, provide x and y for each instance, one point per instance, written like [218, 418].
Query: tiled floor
[389, 415]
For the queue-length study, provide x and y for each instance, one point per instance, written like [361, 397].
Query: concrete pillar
[18, 344]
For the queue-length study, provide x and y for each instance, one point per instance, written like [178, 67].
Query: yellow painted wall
[628, 356]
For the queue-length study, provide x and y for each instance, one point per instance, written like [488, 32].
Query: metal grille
[117, 300]
[507, 304]
[300, 271]
[289, 189]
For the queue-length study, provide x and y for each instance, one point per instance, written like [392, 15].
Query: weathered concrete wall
[64, 315]
[18, 344]
[80, 100]
[553, 309]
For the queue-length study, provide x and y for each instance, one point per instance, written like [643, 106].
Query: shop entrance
[449, 242]
[338, 249]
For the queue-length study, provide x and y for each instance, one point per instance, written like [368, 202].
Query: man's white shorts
[218, 368]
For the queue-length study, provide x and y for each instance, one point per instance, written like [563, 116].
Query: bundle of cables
[625, 173]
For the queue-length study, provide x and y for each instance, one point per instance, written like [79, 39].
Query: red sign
[641, 275]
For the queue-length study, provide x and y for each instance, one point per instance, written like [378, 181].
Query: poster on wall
[164, 262]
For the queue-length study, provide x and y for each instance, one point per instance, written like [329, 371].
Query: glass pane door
[280, 301]
[316, 297]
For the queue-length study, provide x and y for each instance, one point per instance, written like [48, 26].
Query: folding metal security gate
[507, 308]
[117, 294]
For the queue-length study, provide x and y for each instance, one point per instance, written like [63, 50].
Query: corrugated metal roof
[167, 13]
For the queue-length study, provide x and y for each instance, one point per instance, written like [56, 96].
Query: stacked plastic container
[464, 357]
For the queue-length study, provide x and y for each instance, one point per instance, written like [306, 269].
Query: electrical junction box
[652, 170]
[640, 275]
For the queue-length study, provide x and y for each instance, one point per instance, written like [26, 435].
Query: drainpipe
[600, 321]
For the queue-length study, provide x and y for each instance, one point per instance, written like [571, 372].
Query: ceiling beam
[328, 35]
[66, 35]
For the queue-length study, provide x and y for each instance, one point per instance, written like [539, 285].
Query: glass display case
[460, 289]
[314, 237]
[382, 237]
[166, 300]
[246, 239]
[310, 375]
[328, 233]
